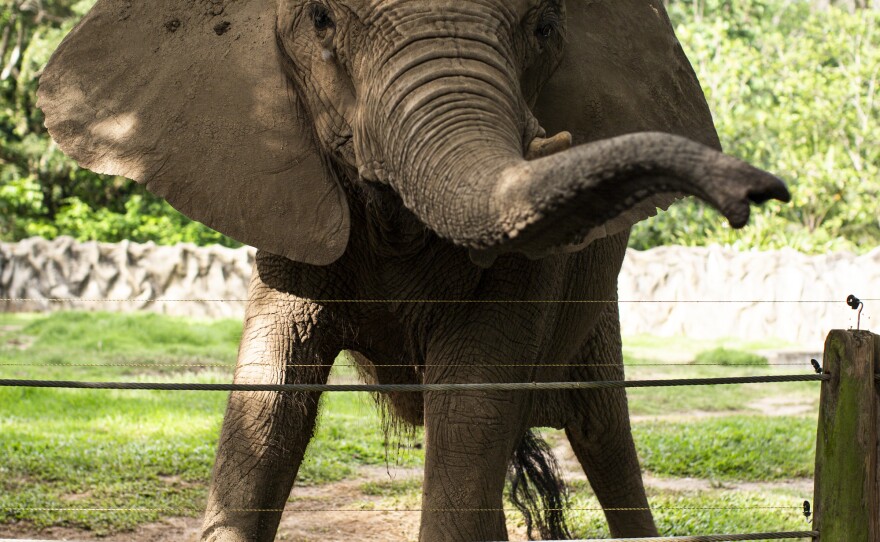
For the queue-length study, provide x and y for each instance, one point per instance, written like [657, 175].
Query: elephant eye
[321, 18]
[547, 27]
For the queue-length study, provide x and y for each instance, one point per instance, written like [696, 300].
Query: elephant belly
[551, 409]
[407, 407]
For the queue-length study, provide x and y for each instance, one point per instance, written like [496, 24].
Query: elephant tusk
[541, 147]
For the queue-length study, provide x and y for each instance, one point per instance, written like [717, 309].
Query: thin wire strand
[704, 538]
[406, 388]
[404, 365]
[429, 301]
[798, 509]
[711, 538]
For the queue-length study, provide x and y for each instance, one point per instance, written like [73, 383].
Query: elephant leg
[601, 435]
[265, 434]
[470, 437]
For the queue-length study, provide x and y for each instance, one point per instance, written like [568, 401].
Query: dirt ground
[332, 526]
[339, 525]
[301, 527]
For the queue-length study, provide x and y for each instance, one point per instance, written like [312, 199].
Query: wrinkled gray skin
[423, 173]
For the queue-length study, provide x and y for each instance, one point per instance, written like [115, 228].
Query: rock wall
[756, 288]
[66, 274]
[665, 291]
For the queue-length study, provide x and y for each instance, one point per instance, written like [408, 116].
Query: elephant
[444, 188]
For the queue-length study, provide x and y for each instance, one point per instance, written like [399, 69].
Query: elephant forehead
[518, 7]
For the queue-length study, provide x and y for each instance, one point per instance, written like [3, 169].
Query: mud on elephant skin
[476, 150]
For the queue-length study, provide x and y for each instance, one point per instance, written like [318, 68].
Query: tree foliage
[792, 86]
[42, 192]
[795, 91]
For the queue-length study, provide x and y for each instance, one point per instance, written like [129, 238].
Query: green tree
[42, 192]
[794, 91]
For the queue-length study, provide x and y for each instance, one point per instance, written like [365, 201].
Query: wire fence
[587, 365]
[414, 388]
[440, 387]
[433, 301]
[180, 509]
[710, 538]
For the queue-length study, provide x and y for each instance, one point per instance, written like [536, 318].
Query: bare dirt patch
[343, 520]
[798, 485]
[10, 338]
[178, 529]
[573, 471]
[784, 406]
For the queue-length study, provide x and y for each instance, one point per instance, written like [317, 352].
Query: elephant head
[252, 116]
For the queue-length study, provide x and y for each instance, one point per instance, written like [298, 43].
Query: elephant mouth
[343, 146]
[541, 147]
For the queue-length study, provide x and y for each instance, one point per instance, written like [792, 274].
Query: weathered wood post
[847, 480]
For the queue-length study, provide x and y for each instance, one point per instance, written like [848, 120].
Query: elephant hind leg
[537, 489]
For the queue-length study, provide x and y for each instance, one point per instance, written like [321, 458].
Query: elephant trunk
[450, 131]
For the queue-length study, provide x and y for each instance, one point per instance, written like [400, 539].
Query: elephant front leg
[601, 435]
[470, 438]
[264, 435]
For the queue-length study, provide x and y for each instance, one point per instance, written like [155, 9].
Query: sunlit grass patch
[703, 512]
[754, 448]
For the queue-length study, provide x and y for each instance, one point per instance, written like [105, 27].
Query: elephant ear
[189, 97]
[623, 71]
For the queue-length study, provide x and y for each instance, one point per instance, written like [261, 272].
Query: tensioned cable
[710, 538]
[374, 388]
[404, 365]
[426, 301]
[707, 538]
[798, 509]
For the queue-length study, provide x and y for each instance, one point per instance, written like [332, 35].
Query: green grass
[742, 448]
[109, 449]
[716, 399]
[729, 356]
[46, 346]
[704, 512]
[648, 347]
[677, 513]
[82, 449]
[88, 449]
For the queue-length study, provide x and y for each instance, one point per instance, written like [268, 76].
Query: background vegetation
[794, 90]
[792, 85]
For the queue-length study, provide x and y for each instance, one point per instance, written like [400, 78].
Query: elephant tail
[537, 489]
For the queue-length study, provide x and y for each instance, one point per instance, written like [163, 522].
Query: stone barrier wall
[752, 284]
[756, 284]
[94, 276]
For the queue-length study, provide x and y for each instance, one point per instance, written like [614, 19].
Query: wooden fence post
[847, 481]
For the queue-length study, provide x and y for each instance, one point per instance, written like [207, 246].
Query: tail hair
[537, 489]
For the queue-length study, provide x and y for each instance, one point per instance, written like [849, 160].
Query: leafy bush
[724, 356]
[794, 91]
[42, 192]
